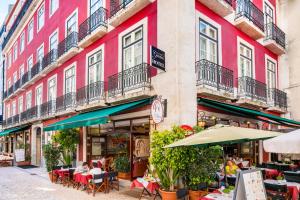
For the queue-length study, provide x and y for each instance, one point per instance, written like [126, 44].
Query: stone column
[176, 36]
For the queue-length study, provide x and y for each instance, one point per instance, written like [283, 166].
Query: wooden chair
[278, 192]
[98, 183]
[69, 179]
[113, 181]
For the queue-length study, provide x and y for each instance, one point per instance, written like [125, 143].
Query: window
[14, 108]
[30, 30]
[8, 83]
[52, 93]
[246, 61]
[208, 42]
[95, 5]
[95, 67]
[271, 74]
[22, 42]
[133, 48]
[29, 65]
[40, 56]
[41, 17]
[8, 111]
[38, 99]
[21, 71]
[20, 103]
[15, 77]
[70, 80]
[269, 16]
[53, 41]
[28, 100]
[9, 60]
[15, 52]
[54, 4]
[71, 24]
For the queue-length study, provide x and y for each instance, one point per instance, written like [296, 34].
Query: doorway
[38, 146]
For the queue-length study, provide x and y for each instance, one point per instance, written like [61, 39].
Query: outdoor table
[150, 188]
[292, 187]
[218, 196]
[270, 173]
[82, 179]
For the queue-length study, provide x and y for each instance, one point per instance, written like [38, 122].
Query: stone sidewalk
[34, 184]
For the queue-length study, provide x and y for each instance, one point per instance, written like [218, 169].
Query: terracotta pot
[53, 178]
[123, 175]
[195, 195]
[165, 195]
[23, 163]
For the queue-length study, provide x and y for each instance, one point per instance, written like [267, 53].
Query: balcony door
[14, 108]
[52, 95]
[28, 100]
[95, 5]
[21, 73]
[269, 19]
[20, 103]
[246, 59]
[40, 56]
[70, 86]
[271, 77]
[38, 100]
[95, 74]
[29, 67]
[53, 46]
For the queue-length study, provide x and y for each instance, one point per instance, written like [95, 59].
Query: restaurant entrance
[120, 138]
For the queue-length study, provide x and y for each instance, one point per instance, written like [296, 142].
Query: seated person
[82, 169]
[231, 168]
[95, 169]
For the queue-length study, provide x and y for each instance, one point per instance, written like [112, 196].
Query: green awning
[94, 117]
[12, 130]
[246, 112]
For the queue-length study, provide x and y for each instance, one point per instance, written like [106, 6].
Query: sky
[4, 9]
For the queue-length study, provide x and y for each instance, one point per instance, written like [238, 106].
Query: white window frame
[22, 42]
[20, 70]
[14, 108]
[52, 34]
[40, 24]
[245, 43]
[48, 81]
[37, 51]
[89, 6]
[36, 88]
[15, 51]
[20, 100]
[100, 48]
[9, 59]
[51, 12]
[216, 25]
[8, 111]
[74, 64]
[26, 102]
[144, 24]
[30, 32]
[8, 83]
[75, 12]
[15, 77]
[29, 58]
[269, 58]
[264, 10]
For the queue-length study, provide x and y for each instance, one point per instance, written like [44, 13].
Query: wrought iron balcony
[116, 6]
[277, 98]
[214, 76]
[129, 79]
[90, 93]
[24, 115]
[16, 119]
[66, 101]
[245, 9]
[50, 58]
[48, 108]
[275, 39]
[9, 121]
[17, 21]
[32, 112]
[252, 89]
[96, 20]
[68, 43]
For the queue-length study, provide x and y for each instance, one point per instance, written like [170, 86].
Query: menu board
[96, 146]
[20, 155]
[250, 186]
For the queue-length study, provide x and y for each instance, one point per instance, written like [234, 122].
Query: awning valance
[12, 130]
[246, 112]
[94, 117]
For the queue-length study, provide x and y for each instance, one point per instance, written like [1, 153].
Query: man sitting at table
[231, 168]
[82, 169]
[95, 169]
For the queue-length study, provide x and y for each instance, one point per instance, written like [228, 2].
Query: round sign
[157, 111]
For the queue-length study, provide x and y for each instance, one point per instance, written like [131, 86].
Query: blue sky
[4, 8]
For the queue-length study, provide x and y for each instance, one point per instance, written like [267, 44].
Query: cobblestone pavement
[33, 184]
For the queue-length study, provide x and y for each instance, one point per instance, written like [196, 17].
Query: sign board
[157, 111]
[250, 186]
[20, 155]
[158, 59]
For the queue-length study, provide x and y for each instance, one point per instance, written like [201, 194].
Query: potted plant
[122, 166]
[169, 163]
[202, 169]
[67, 139]
[52, 155]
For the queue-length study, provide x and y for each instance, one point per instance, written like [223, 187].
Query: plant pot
[165, 195]
[23, 163]
[195, 195]
[52, 177]
[124, 175]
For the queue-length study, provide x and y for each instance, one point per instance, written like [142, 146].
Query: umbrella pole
[225, 175]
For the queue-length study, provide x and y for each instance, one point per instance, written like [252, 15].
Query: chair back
[292, 176]
[112, 175]
[99, 176]
[276, 188]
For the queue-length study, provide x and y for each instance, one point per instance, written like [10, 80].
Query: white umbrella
[288, 143]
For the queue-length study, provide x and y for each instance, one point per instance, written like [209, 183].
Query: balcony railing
[116, 6]
[245, 8]
[69, 42]
[275, 33]
[251, 88]
[16, 118]
[129, 79]
[17, 21]
[90, 93]
[66, 101]
[214, 75]
[97, 19]
[277, 98]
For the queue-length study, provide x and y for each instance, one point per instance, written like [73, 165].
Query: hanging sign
[158, 59]
[157, 111]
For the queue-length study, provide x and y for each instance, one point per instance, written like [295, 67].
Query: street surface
[33, 184]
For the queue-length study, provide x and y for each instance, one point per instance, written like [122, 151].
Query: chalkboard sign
[250, 186]
[158, 58]
[20, 155]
